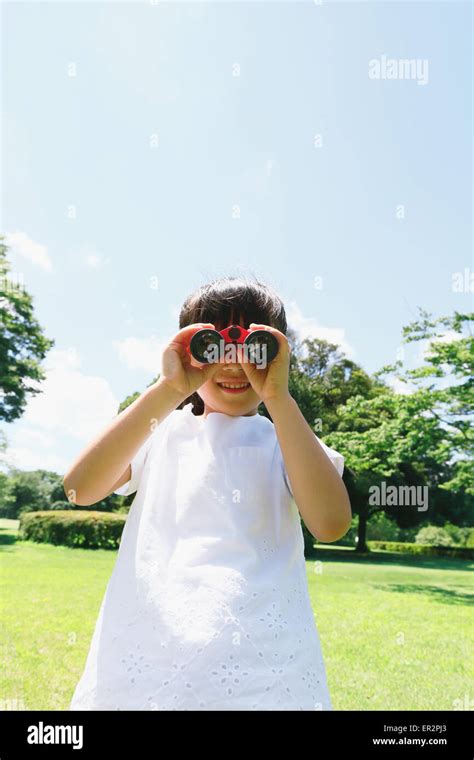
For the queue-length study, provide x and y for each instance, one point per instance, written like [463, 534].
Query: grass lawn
[396, 630]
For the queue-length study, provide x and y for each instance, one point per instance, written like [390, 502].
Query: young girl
[207, 607]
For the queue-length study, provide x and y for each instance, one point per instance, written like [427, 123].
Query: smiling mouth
[234, 387]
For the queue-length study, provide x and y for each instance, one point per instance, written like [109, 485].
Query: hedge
[88, 529]
[461, 552]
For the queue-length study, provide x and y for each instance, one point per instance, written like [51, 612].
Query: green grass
[396, 630]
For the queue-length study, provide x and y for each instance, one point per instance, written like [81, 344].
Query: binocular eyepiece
[208, 346]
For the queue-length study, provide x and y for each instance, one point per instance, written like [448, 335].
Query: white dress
[207, 607]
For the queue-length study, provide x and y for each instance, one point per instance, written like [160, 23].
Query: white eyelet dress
[207, 607]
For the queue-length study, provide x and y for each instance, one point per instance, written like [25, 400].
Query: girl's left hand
[272, 382]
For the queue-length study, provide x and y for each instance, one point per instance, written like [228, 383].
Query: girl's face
[217, 398]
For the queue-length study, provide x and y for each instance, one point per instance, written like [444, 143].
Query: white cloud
[29, 437]
[63, 358]
[71, 402]
[71, 405]
[34, 450]
[34, 459]
[307, 327]
[23, 246]
[141, 353]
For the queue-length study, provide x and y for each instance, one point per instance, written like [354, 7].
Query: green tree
[449, 360]
[321, 378]
[26, 491]
[33, 490]
[22, 345]
[419, 438]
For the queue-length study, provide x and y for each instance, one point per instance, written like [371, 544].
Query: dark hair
[229, 298]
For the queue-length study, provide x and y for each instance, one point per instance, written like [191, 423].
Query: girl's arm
[104, 465]
[318, 489]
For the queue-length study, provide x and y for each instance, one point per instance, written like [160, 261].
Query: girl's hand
[179, 369]
[272, 382]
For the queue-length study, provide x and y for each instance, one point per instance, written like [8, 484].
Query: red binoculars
[208, 346]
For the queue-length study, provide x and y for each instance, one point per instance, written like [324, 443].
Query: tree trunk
[361, 540]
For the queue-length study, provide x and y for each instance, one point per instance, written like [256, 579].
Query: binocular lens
[201, 341]
[263, 345]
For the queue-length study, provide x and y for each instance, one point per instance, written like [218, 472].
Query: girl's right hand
[179, 369]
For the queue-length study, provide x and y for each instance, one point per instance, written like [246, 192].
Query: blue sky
[170, 143]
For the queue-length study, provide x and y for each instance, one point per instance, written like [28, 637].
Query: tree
[5, 500]
[33, 490]
[22, 345]
[419, 438]
[450, 359]
[321, 378]
[25, 492]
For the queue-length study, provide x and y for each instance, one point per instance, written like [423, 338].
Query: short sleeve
[336, 458]
[138, 462]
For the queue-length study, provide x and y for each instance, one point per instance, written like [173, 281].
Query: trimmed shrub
[459, 552]
[87, 529]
